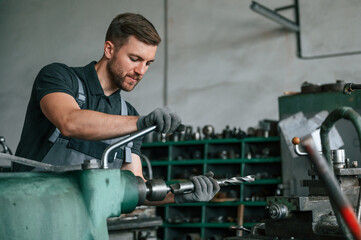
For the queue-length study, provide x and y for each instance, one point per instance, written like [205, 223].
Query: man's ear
[109, 49]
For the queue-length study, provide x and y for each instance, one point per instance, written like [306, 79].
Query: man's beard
[117, 76]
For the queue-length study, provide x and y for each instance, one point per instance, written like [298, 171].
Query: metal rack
[243, 159]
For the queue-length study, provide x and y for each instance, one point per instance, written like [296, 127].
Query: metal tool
[187, 187]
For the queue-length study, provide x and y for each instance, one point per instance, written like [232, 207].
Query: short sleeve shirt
[34, 142]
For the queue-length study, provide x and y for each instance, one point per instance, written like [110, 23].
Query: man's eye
[148, 63]
[134, 59]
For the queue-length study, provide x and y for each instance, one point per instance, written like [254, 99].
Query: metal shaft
[187, 187]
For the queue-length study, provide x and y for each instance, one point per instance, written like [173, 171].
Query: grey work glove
[205, 187]
[166, 121]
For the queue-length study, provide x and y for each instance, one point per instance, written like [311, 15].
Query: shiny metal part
[236, 180]
[91, 164]
[105, 156]
[187, 187]
[298, 151]
[156, 189]
[6, 149]
[240, 228]
[339, 158]
[278, 211]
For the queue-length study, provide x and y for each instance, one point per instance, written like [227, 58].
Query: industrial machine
[74, 202]
[328, 212]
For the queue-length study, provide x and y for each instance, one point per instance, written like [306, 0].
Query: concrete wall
[226, 64]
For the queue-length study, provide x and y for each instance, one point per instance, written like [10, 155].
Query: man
[75, 113]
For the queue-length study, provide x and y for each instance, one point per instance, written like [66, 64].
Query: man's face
[127, 66]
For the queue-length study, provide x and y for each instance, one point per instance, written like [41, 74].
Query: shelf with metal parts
[176, 161]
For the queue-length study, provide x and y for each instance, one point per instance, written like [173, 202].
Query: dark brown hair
[130, 24]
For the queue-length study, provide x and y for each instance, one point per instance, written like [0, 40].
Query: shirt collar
[93, 80]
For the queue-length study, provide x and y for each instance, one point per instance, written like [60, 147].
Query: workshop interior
[269, 93]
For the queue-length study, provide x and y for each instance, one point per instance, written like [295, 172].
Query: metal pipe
[104, 160]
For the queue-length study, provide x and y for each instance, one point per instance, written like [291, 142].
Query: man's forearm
[92, 125]
[167, 200]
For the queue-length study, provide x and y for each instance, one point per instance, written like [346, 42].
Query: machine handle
[104, 160]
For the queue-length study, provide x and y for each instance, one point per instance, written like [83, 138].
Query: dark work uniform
[34, 143]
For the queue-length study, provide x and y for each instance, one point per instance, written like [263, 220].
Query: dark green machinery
[74, 202]
[69, 202]
[70, 205]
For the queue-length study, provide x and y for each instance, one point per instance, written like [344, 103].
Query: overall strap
[80, 100]
[128, 147]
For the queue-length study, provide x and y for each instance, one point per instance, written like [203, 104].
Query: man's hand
[205, 187]
[165, 120]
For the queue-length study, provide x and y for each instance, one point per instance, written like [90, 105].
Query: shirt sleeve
[137, 143]
[55, 77]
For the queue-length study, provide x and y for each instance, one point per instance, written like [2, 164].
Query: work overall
[71, 151]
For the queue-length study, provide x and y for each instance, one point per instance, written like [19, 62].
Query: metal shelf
[168, 168]
[211, 141]
[214, 161]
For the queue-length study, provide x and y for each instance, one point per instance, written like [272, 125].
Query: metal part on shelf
[6, 149]
[208, 131]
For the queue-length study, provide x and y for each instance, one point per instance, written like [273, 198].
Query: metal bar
[187, 187]
[285, 8]
[104, 160]
[266, 12]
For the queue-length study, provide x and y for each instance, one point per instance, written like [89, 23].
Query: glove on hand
[166, 121]
[205, 187]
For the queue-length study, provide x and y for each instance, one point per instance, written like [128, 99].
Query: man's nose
[141, 69]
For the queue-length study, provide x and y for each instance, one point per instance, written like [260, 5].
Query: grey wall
[226, 64]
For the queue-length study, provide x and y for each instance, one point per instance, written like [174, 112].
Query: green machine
[74, 202]
[70, 205]
[70, 202]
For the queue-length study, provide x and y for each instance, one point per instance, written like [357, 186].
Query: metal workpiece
[69, 205]
[187, 187]
[157, 189]
[278, 211]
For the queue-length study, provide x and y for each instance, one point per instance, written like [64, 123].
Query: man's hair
[130, 24]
